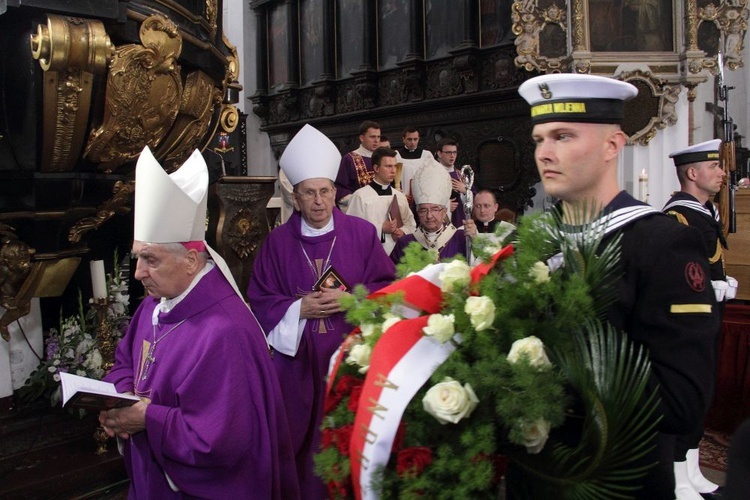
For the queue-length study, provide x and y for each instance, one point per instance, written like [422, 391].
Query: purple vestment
[216, 424]
[281, 276]
[455, 246]
[346, 180]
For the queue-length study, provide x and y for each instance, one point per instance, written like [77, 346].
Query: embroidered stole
[364, 176]
[441, 240]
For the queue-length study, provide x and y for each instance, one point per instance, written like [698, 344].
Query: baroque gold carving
[244, 233]
[15, 267]
[143, 95]
[199, 98]
[70, 51]
[530, 23]
[730, 18]
[652, 110]
[118, 204]
[212, 13]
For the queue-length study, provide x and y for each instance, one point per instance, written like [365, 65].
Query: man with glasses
[431, 187]
[447, 152]
[294, 297]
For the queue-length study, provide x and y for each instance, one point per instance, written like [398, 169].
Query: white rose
[441, 327]
[56, 377]
[454, 276]
[539, 272]
[359, 355]
[52, 369]
[535, 435]
[368, 329]
[448, 401]
[530, 348]
[390, 320]
[481, 311]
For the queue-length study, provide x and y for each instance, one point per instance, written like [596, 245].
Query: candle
[98, 280]
[643, 186]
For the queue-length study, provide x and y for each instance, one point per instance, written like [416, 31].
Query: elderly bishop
[301, 271]
[211, 421]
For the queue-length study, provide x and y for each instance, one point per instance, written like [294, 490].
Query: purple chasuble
[455, 246]
[216, 424]
[281, 275]
[346, 180]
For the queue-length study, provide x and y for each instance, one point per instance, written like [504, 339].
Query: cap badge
[544, 89]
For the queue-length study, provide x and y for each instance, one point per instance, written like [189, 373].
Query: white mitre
[310, 155]
[170, 208]
[431, 184]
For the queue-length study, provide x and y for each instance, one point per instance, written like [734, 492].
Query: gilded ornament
[144, 88]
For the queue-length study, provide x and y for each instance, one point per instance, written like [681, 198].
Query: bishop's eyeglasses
[311, 194]
[432, 210]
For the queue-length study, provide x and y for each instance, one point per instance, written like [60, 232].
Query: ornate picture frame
[672, 43]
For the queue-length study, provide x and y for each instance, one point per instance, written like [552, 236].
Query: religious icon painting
[331, 279]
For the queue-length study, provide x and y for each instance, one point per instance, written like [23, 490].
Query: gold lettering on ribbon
[382, 381]
[377, 407]
[363, 460]
[368, 435]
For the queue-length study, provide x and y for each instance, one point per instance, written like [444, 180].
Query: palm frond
[581, 232]
[609, 374]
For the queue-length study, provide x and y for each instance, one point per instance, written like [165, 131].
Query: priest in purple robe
[355, 168]
[431, 188]
[211, 421]
[290, 292]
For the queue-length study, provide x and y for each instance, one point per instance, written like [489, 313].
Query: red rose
[338, 489]
[345, 384]
[398, 440]
[342, 438]
[332, 400]
[354, 398]
[327, 438]
[412, 461]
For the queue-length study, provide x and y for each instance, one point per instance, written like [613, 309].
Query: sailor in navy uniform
[665, 301]
[701, 177]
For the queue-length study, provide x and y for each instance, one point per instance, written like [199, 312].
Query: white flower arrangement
[73, 346]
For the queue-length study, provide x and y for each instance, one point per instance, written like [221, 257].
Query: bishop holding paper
[210, 422]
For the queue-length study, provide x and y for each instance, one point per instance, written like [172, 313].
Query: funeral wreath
[455, 372]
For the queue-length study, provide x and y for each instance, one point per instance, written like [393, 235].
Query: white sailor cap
[309, 155]
[431, 184]
[704, 151]
[571, 97]
[170, 208]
